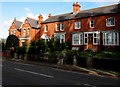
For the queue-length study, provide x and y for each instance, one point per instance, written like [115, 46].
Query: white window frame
[57, 27]
[14, 31]
[97, 37]
[105, 42]
[77, 23]
[28, 30]
[92, 22]
[80, 37]
[46, 28]
[85, 38]
[24, 31]
[108, 23]
[62, 38]
[61, 26]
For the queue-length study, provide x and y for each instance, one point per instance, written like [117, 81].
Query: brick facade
[85, 29]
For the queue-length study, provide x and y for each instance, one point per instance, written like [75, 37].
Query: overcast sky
[20, 9]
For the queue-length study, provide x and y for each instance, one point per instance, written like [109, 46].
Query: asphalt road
[14, 73]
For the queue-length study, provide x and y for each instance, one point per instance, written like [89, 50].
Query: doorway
[90, 41]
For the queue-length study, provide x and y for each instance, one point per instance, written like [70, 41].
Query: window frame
[76, 23]
[24, 31]
[57, 27]
[46, 28]
[80, 38]
[107, 22]
[28, 31]
[92, 23]
[97, 37]
[105, 38]
[14, 31]
[62, 38]
[61, 26]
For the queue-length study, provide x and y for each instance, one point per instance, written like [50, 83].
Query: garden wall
[106, 63]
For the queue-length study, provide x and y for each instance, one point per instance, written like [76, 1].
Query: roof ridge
[19, 21]
[99, 7]
[60, 14]
[32, 18]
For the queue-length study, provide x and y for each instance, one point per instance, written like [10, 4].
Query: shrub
[38, 46]
[12, 41]
[21, 50]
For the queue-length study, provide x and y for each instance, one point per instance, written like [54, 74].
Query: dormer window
[77, 25]
[110, 21]
[46, 28]
[91, 23]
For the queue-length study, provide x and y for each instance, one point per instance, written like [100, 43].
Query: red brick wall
[100, 24]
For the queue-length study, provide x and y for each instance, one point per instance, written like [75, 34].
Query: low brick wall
[6, 54]
[110, 64]
[106, 63]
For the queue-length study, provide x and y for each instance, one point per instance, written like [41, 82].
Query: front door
[90, 41]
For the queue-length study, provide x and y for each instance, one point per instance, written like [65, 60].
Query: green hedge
[101, 54]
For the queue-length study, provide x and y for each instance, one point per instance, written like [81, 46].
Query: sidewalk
[104, 73]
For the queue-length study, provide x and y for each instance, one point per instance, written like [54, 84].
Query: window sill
[110, 26]
[77, 28]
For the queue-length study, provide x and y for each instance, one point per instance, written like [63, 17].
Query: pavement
[103, 73]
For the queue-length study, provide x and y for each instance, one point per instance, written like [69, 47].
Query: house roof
[33, 23]
[111, 9]
[17, 23]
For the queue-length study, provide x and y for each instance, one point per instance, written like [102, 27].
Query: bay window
[77, 39]
[111, 38]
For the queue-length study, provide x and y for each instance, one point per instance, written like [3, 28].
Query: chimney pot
[76, 7]
[50, 15]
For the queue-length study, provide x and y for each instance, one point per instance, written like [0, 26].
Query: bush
[21, 50]
[12, 41]
[39, 46]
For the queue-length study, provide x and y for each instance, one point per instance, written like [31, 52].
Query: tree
[12, 41]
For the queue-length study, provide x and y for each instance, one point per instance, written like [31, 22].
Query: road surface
[14, 73]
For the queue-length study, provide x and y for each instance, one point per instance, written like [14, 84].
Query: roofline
[81, 11]
[18, 21]
[32, 18]
[61, 14]
[79, 18]
[100, 7]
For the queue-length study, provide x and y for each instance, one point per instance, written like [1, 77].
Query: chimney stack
[40, 19]
[15, 19]
[76, 7]
[50, 15]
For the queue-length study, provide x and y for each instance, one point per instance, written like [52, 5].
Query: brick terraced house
[96, 29]
[26, 31]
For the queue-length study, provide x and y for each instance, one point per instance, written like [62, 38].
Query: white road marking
[70, 71]
[89, 85]
[34, 73]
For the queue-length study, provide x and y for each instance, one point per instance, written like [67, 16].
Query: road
[14, 73]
